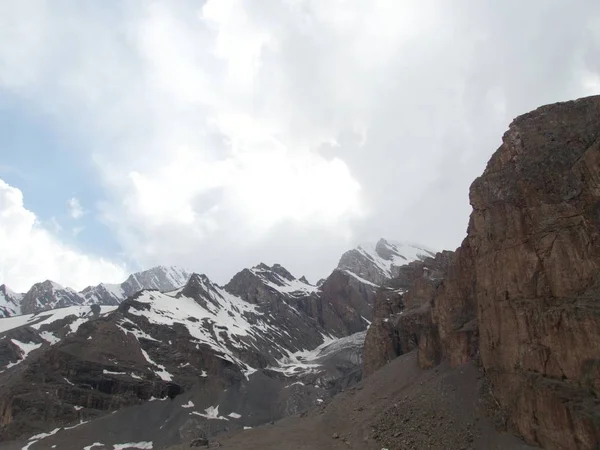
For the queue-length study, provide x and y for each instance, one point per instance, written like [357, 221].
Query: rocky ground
[400, 407]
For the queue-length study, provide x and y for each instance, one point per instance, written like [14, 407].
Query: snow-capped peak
[10, 302]
[163, 278]
[278, 278]
[380, 261]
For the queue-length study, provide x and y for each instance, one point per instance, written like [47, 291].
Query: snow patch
[145, 445]
[25, 348]
[49, 337]
[108, 372]
[362, 280]
[162, 371]
[212, 413]
[95, 444]
[81, 422]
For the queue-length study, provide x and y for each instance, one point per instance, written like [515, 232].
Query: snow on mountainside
[200, 342]
[376, 263]
[10, 302]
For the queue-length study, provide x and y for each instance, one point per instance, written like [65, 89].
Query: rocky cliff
[521, 294]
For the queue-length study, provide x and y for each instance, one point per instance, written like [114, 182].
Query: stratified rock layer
[533, 235]
[522, 293]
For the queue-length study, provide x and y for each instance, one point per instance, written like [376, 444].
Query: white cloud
[75, 209]
[30, 253]
[235, 128]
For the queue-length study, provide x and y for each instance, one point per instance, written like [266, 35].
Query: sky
[218, 134]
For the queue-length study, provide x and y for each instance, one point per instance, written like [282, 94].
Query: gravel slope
[399, 407]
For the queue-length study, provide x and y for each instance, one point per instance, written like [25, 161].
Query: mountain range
[166, 332]
[48, 295]
[373, 263]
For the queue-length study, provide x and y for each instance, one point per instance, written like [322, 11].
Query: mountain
[10, 302]
[342, 304]
[258, 349]
[162, 278]
[49, 295]
[379, 262]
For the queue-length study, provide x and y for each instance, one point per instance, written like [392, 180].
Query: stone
[199, 442]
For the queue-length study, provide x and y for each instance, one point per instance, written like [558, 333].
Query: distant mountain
[162, 278]
[10, 302]
[265, 346]
[221, 350]
[376, 263]
[49, 295]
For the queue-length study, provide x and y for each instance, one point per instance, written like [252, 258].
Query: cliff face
[536, 254]
[402, 314]
[522, 293]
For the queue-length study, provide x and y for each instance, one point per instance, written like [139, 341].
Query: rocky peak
[379, 262]
[49, 295]
[264, 284]
[104, 294]
[163, 278]
[199, 287]
[10, 302]
[282, 272]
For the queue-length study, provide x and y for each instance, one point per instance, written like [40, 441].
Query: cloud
[30, 253]
[75, 209]
[227, 133]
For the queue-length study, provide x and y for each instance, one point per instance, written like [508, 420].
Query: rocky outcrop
[521, 293]
[403, 314]
[343, 305]
[534, 237]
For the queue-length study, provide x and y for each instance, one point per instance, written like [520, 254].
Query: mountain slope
[199, 341]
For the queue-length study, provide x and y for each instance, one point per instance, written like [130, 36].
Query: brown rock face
[402, 315]
[533, 235]
[522, 293]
